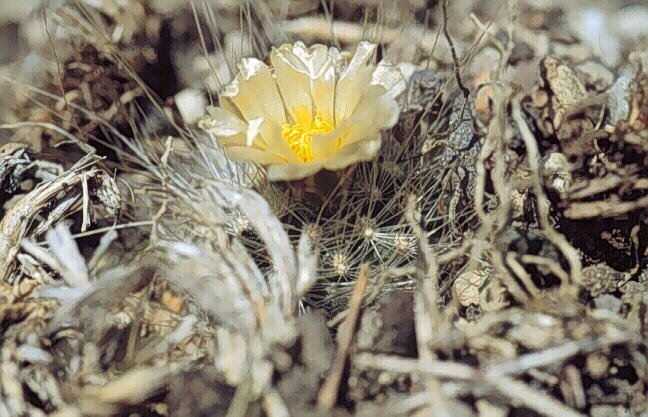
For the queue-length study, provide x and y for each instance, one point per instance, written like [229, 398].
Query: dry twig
[329, 390]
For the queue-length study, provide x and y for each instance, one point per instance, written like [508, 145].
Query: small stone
[191, 104]
[555, 172]
[33, 354]
[630, 22]
[631, 288]
[600, 279]
[172, 301]
[608, 302]
[619, 98]
[597, 365]
[424, 89]
[596, 75]
[466, 287]
[643, 277]
[608, 411]
[532, 336]
[591, 26]
[518, 199]
[487, 409]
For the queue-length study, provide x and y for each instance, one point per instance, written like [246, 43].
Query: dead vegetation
[492, 260]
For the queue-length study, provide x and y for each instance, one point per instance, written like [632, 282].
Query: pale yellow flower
[313, 108]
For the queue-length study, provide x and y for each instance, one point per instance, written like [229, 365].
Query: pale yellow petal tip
[250, 67]
[293, 172]
[335, 105]
[390, 77]
[254, 126]
[221, 123]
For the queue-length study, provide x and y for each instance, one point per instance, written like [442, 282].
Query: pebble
[33, 354]
[591, 26]
[596, 75]
[630, 22]
[191, 105]
[554, 169]
[609, 302]
[619, 100]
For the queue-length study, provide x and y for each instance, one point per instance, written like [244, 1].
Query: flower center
[299, 136]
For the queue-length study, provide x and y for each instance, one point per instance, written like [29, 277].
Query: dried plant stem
[241, 400]
[543, 202]
[531, 398]
[84, 146]
[493, 149]
[519, 391]
[505, 51]
[439, 369]
[555, 354]
[16, 222]
[453, 52]
[553, 266]
[604, 209]
[427, 315]
[349, 33]
[274, 405]
[329, 391]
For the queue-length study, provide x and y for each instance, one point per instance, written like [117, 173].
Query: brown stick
[453, 52]
[329, 391]
[591, 209]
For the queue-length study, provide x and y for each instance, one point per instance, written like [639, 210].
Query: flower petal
[353, 81]
[238, 140]
[348, 155]
[375, 111]
[254, 93]
[288, 172]
[220, 122]
[319, 62]
[347, 90]
[294, 83]
[254, 125]
[326, 145]
[323, 91]
[349, 93]
[244, 153]
[390, 77]
[378, 107]
[229, 129]
[315, 59]
[306, 78]
[362, 57]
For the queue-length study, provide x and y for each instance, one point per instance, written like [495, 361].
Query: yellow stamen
[299, 136]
